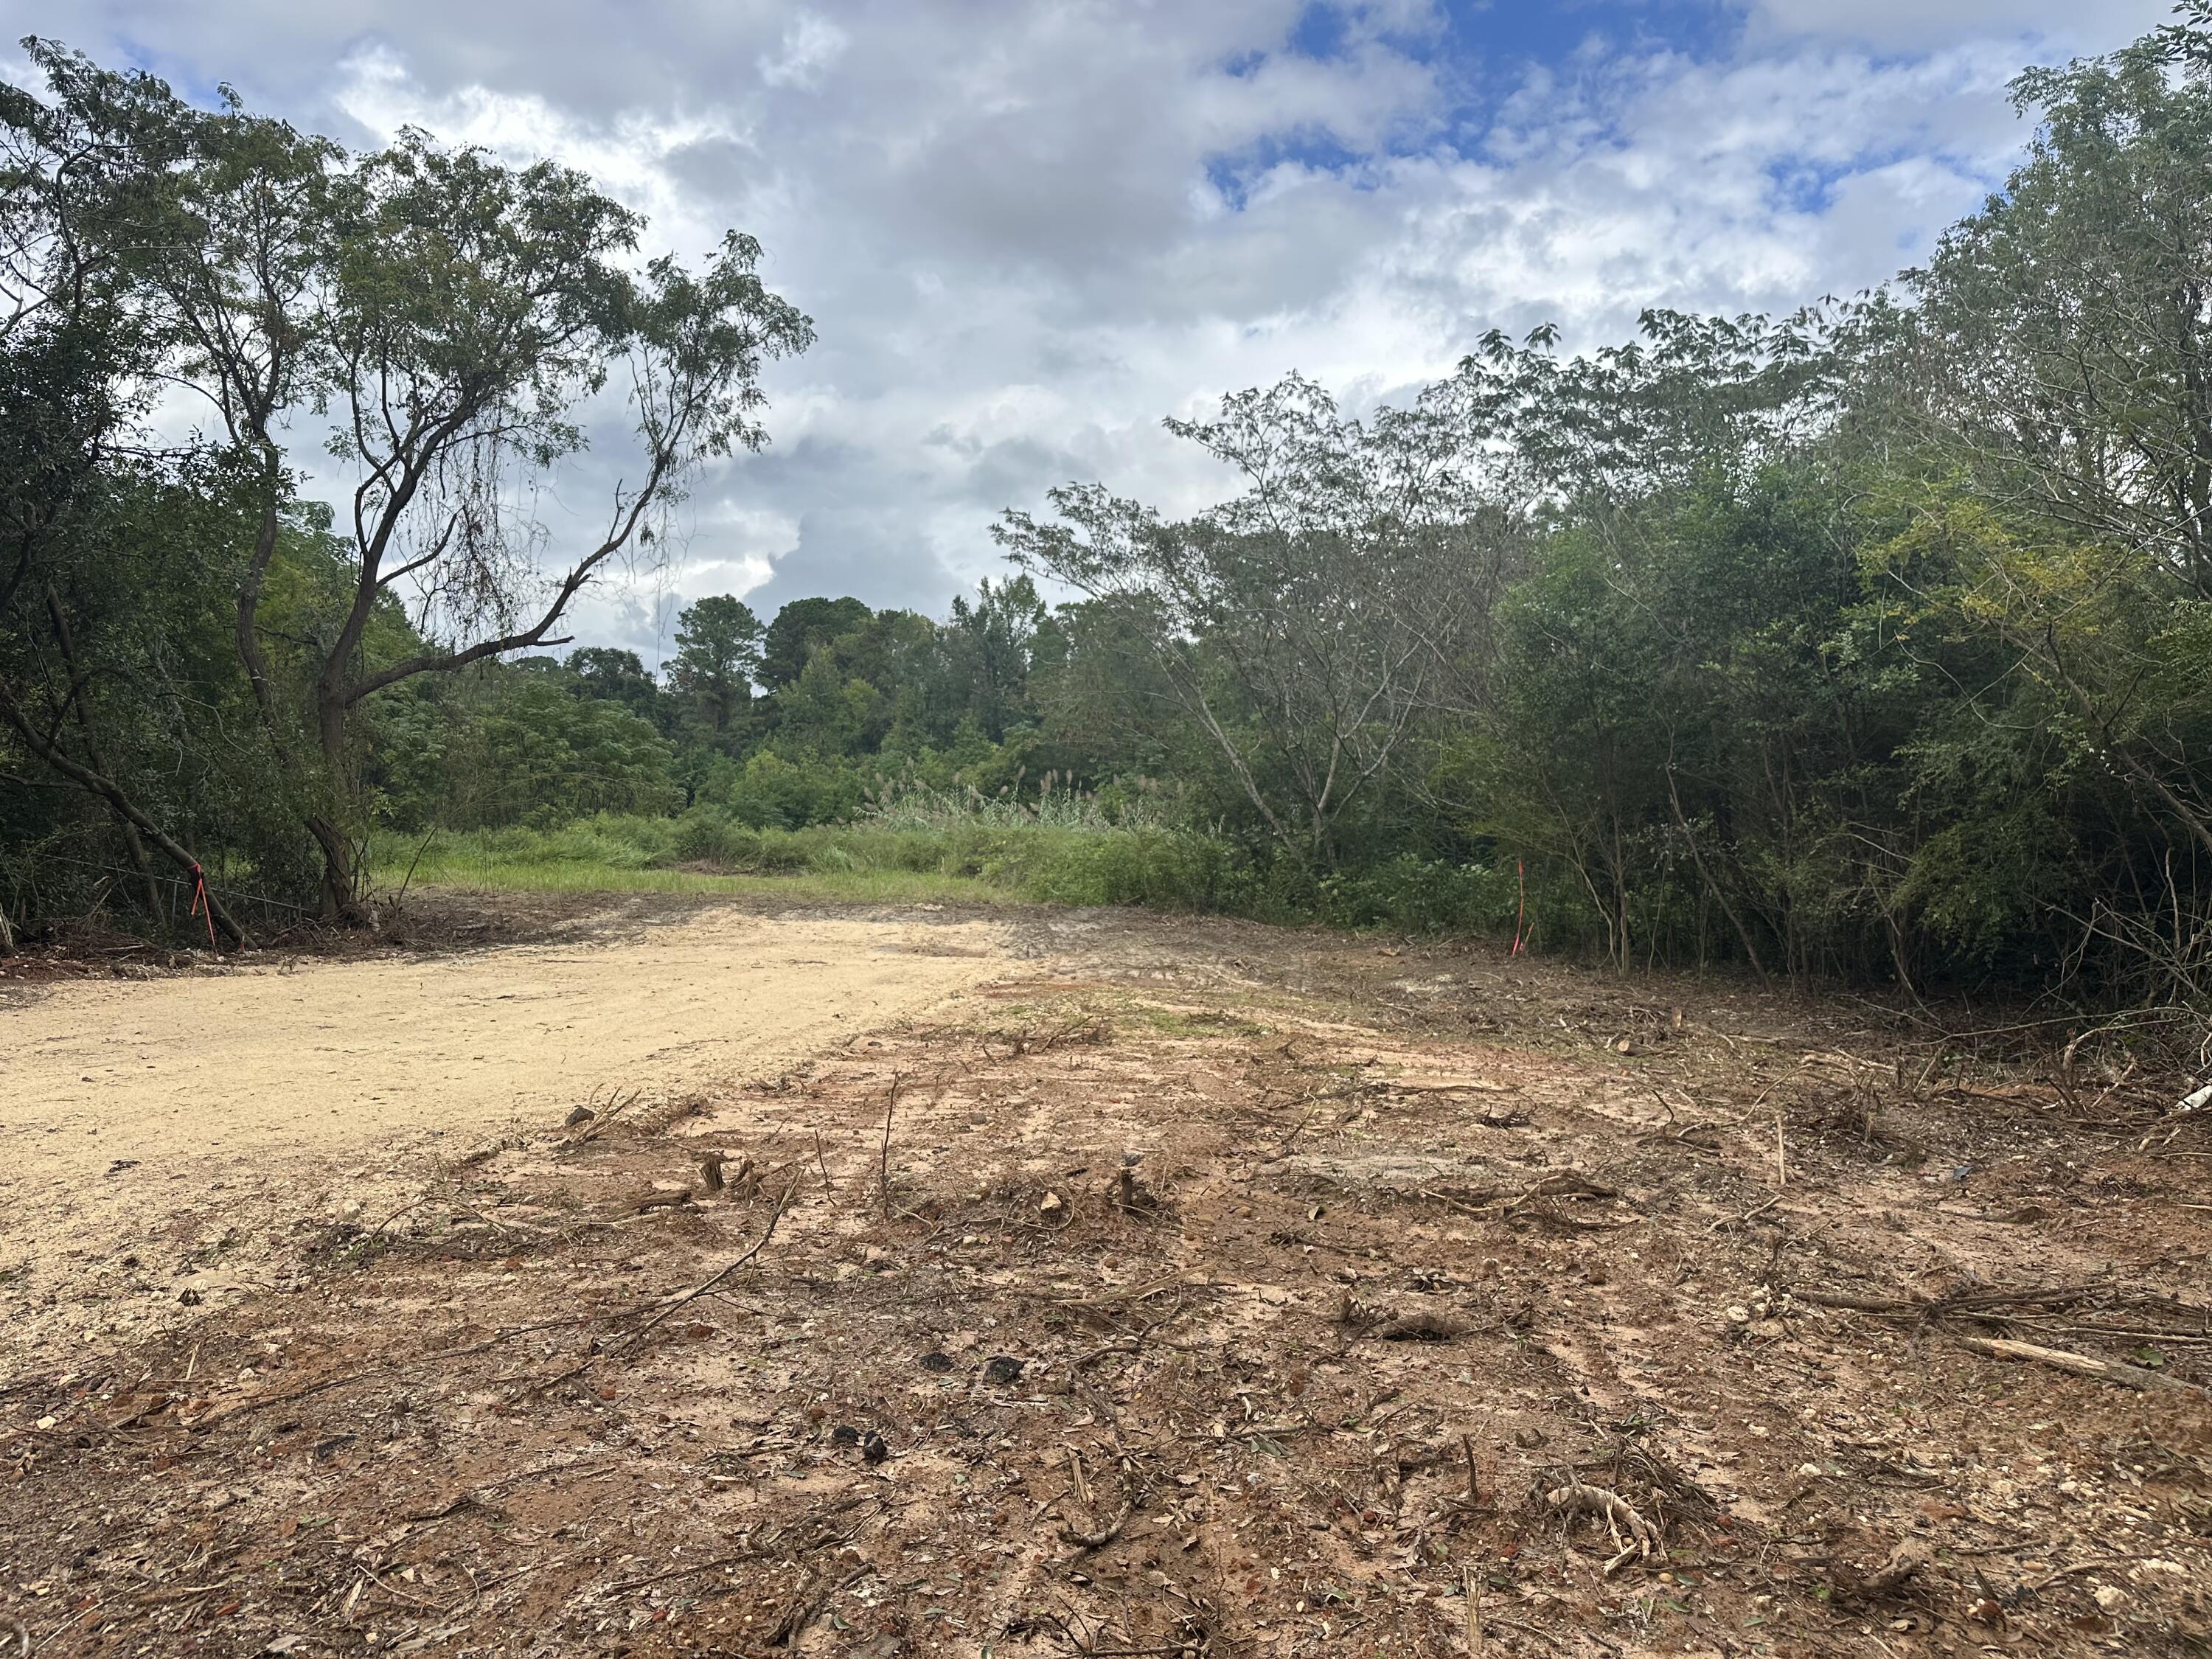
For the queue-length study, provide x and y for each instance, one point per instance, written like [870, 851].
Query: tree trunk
[343, 904]
[341, 901]
[247, 621]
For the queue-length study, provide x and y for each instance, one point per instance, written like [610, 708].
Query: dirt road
[1162, 1287]
[139, 1118]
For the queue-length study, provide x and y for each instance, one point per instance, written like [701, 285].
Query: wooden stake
[1781, 1155]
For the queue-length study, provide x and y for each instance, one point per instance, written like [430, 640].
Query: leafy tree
[718, 656]
[452, 314]
[800, 628]
[614, 676]
[1306, 624]
[987, 647]
[826, 712]
[770, 791]
[546, 756]
[2065, 331]
[74, 490]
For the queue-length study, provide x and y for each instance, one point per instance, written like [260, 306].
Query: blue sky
[1027, 229]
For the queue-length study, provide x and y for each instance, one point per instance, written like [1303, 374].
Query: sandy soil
[1179, 1288]
[192, 1107]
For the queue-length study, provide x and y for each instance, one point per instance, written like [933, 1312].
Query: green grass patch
[463, 874]
[980, 857]
[708, 852]
[1171, 1023]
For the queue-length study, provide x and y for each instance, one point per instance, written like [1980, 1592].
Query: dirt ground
[1116, 1286]
[208, 1110]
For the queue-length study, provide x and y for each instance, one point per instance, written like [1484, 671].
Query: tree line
[1872, 642]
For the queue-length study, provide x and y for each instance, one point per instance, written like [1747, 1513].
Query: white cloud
[1919, 25]
[810, 45]
[1007, 220]
[629, 154]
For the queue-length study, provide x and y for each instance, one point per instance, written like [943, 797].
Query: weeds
[916, 844]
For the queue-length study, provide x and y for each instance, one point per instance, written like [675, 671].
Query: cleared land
[1663, 1317]
[234, 1104]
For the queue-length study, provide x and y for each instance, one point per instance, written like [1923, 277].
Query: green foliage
[611, 676]
[718, 655]
[2066, 324]
[1872, 642]
[768, 792]
[800, 629]
[535, 744]
[445, 315]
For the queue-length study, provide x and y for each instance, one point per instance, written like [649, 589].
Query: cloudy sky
[1027, 229]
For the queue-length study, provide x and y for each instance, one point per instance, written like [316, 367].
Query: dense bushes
[1871, 643]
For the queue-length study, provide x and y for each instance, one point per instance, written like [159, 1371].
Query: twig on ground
[1282, 1146]
[1578, 1497]
[884, 1158]
[670, 1305]
[1085, 1541]
[494, 1223]
[1746, 1219]
[2081, 1364]
[207, 1419]
[1565, 1185]
[697, 1567]
[1422, 1325]
[494, 1341]
[808, 1602]
[615, 1107]
[1107, 1298]
[1126, 1344]
[377, 1231]
[1520, 1629]
[2064, 1573]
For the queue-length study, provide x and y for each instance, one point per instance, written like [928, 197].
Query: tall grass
[908, 802]
[922, 846]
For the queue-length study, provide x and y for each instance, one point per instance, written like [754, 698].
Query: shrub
[772, 792]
